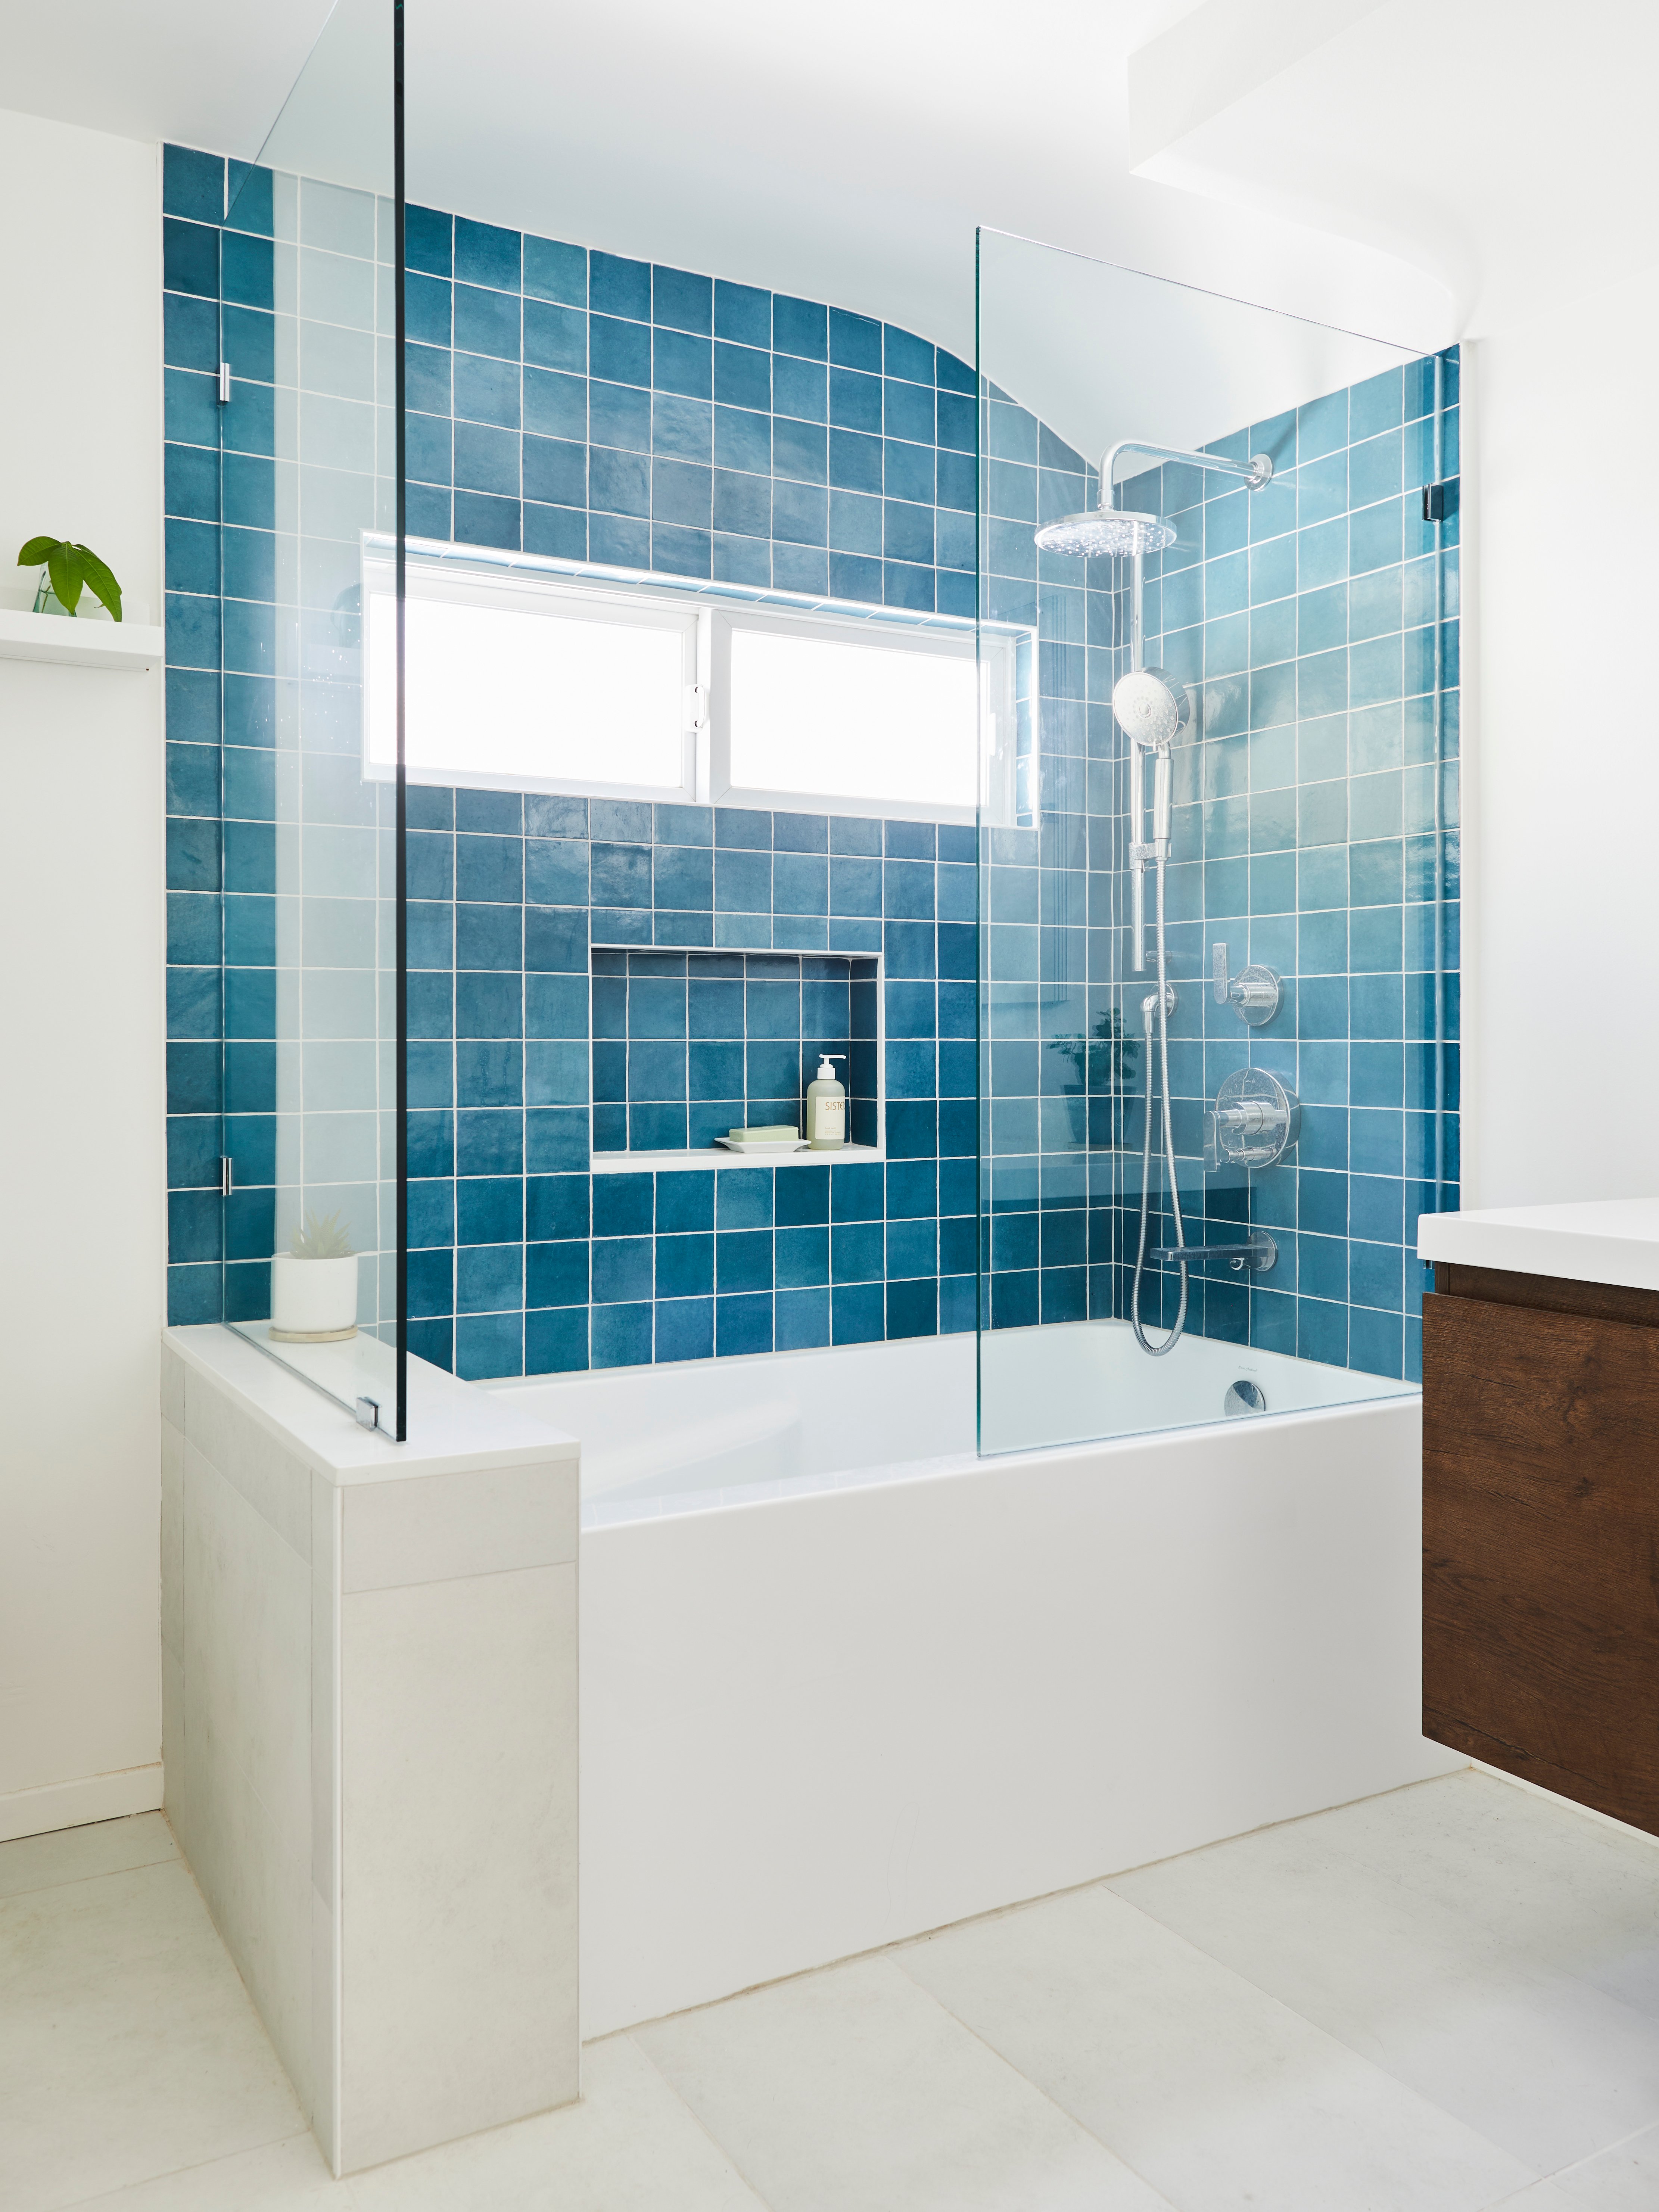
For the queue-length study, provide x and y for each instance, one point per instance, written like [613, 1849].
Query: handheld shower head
[1152, 710]
[1105, 531]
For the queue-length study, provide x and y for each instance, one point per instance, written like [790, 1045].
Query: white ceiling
[208, 73]
[846, 153]
[1503, 146]
[1409, 168]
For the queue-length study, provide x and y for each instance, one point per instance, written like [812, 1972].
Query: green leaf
[36, 550]
[101, 580]
[63, 564]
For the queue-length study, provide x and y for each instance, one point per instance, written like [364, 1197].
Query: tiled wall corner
[1317, 624]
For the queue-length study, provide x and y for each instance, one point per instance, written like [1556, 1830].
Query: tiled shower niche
[690, 1045]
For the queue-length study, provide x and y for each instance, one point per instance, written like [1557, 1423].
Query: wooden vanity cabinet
[1541, 1532]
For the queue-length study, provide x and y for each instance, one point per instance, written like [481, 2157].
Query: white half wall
[1562, 792]
[82, 919]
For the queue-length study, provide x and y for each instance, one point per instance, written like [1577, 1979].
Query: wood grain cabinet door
[1540, 1546]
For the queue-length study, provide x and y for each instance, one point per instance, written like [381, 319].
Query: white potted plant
[314, 1285]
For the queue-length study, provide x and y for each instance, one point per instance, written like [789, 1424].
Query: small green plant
[1104, 1061]
[72, 569]
[321, 1240]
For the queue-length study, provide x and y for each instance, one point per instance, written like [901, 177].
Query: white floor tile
[1414, 2004]
[630, 2146]
[78, 1854]
[1349, 1919]
[853, 2091]
[1540, 2197]
[1220, 2096]
[284, 2177]
[1570, 1892]
[128, 2046]
[1624, 2179]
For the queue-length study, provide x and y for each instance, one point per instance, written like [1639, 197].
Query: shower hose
[1158, 1004]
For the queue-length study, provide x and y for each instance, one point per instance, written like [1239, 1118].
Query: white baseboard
[75, 1804]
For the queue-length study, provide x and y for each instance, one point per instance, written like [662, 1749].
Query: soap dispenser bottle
[826, 1108]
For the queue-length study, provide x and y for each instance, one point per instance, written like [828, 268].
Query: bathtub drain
[1244, 1398]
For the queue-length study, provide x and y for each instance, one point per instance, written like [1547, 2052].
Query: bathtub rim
[1381, 1386]
[599, 1514]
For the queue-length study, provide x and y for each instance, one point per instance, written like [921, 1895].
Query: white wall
[81, 999]
[1562, 796]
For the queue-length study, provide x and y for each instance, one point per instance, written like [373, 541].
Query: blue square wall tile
[800, 327]
[556, 1343]
[743, 1324]
[554, 270]
[620, 287]
[685, 1328]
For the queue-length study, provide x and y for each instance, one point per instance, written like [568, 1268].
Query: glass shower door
[309, 480]
[1218, 1013]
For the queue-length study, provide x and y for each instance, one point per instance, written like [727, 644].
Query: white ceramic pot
[312, 1300]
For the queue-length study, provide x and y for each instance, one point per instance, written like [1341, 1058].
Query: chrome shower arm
[1255, 472]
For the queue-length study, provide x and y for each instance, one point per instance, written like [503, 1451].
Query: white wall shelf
[716, 1156]
[71, 642]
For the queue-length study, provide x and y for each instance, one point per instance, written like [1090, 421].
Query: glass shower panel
[1217, 938]
[309, 488]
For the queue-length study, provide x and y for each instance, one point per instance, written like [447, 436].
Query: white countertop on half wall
[1607, 1240]
[454, 1426]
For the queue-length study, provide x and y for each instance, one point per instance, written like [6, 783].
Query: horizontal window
[527, 676]
[507, 683]
[802, 708]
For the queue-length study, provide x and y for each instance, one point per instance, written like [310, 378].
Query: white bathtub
[843, 1681]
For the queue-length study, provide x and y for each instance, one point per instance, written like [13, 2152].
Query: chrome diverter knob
[1255, 1120]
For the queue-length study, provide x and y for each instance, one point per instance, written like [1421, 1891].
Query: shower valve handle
[1255, 991]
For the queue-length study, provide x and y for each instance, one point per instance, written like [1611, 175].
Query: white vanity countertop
[1607, 1240]
[452, 1426]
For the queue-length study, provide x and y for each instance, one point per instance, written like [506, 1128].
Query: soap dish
[749, 1144]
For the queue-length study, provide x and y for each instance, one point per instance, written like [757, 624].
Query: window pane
[498, 691]
[852, 721]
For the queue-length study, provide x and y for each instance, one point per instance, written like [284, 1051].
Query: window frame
[706, 616]
[454, 581]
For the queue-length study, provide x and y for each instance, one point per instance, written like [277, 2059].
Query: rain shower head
[1106, 531]
[1110, 531]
